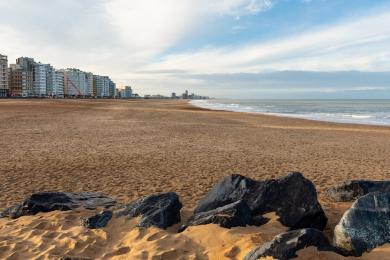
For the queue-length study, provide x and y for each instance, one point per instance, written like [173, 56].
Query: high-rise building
[98, 83]
[43, 79]
[16, 79]
[89, 84]
[185, 95]
[111, 88]
[26, 65]
[77, 83]
[4, 82]
[55, 83]
[20, 81]
[103, 86]
[127, 92]
[50, 80]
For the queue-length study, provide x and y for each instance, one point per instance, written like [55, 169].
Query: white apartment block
[4, 87]
[58, 84]
[102, 86]
[127, 92]
[77, 83]
[42, 74]
[89, 83]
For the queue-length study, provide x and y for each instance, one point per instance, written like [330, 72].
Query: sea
[371, 112]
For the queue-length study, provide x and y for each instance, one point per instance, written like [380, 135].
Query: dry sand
[126, 149]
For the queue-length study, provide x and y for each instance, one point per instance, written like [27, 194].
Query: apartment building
[127, 92]
[77, 83]
[16, 78]
[58, 84]
[26, 65]
[111, 89]
[102, 86]
[4, 82]
[42, 79]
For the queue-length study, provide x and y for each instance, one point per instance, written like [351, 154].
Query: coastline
[129, 149]
[285, 115]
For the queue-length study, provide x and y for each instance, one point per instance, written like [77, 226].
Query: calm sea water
[374, 112]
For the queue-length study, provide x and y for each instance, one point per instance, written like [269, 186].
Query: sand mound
[56, 234]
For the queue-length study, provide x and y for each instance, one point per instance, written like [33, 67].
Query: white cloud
[153, 26]
[357, 45]
[107, 36]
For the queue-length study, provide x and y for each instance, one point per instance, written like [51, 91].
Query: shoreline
[190, 102]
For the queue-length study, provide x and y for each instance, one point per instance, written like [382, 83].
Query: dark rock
[97, 221]
[50, 201]
[293, 198]
[231, 215]
[285, 245]
[161, 210]
[351, 190]
[75, 258]
[365, 225]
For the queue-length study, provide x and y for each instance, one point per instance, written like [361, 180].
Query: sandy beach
[127, 149]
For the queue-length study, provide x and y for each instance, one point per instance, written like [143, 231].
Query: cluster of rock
[50, 201]
[352, 190]
[240, 201]
[293, 198]
[161, 210]
[285, 245]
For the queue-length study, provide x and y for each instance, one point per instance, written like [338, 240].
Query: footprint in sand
[119, 251]
[156, 236]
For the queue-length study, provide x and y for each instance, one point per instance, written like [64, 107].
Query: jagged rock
[97, 221]
[161, 210]
[231, 215]
[50, 201]
[293, 198]
[351, 190]
[285, 245]
[365, 225]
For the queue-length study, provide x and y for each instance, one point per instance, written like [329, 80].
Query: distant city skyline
[225, 49]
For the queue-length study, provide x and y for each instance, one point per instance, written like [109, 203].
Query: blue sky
[225, 48]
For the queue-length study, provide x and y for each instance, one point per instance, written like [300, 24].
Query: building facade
[55, 83]
[77, 83]
[4, 82]
[111, 89]
[127, 92]
[58, 84]
[27, 66]
[104, 87]
[42, 79]
[16, 78]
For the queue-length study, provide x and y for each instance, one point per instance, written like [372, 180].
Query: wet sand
[127, 149]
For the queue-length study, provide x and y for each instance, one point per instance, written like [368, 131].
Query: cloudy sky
[222, 48]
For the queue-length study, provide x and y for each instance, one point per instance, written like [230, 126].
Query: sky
[224, 48]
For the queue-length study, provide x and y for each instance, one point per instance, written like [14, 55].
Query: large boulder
[365, 225]
[293, 198]
[285, 245]
[50, 201]
[161, 210]
[232, 215]
[351, 190]
[97, 221]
